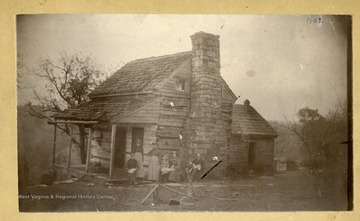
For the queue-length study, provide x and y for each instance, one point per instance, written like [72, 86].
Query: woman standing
[154, 167]
[138, 156]
[175, 174]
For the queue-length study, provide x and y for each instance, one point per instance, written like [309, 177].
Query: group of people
[168, 169]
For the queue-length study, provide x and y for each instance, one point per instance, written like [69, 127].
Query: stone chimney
[206, 133]
[206, 53]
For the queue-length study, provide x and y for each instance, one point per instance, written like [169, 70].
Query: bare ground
[286, 191]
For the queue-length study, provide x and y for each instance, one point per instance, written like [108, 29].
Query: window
[180, 85]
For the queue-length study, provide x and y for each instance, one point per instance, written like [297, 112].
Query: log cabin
[178, 102]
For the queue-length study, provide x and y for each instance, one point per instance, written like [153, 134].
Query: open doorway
[120, 148]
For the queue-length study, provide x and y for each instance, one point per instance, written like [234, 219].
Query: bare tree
[68, 81]
[315, 131]
[320, 136]
[21, 68]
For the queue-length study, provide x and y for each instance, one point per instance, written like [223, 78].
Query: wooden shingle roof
[103, 109]
[247, 121]
[141, 75]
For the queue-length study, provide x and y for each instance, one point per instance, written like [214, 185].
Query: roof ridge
[158, 57]
[141, 75]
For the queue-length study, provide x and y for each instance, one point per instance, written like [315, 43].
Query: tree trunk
[311, 161]
[82, 145]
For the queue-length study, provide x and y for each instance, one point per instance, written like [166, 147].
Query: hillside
[288, 147]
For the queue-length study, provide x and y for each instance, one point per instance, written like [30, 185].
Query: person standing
[132, 166]
[154, 167]
[138, 156]
[165, 169]
[198, 167]
[175, 174]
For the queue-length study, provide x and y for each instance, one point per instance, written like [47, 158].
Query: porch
[111, 173]
[120, 175]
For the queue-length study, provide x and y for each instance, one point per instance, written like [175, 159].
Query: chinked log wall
[173, 113]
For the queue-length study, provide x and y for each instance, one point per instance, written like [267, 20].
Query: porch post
[70, 145]
[113, 132]
[54, 146]
[88, 151]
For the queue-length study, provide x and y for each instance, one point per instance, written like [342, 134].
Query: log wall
[238, 155]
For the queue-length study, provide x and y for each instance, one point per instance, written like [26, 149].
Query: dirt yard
[285, 191]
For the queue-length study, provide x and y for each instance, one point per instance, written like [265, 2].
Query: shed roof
[103, 109]
[141, 75]
[247, 121]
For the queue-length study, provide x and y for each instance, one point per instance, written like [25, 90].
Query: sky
[280, 63]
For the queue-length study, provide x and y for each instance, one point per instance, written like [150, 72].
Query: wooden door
[252, 155]
[120, 148]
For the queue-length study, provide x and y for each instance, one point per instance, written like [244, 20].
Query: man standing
[198, 167]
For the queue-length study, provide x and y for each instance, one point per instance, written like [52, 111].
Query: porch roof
[104, 109]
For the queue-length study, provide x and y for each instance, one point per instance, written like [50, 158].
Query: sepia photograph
[184, 112]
